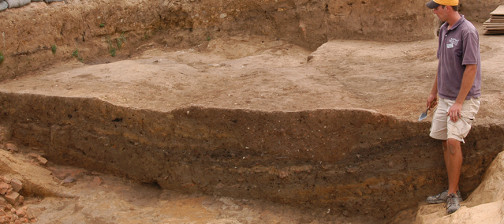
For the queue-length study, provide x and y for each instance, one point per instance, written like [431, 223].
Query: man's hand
[431, 101]
[454, 112]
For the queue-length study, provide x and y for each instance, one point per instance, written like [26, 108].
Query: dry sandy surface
[254, 73]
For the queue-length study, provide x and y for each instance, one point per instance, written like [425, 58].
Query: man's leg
[453, 161]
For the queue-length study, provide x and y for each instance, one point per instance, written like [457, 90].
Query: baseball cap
[432, 4]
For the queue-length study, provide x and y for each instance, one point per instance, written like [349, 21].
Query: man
[458, 85]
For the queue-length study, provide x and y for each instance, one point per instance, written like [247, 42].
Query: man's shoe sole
[439, 201]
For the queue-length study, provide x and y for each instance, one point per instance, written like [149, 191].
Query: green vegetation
[1, 57]
[112, 52]
[75, 54]
[53, 49]
[116, 44]
[112, 49]
[102, 25]
[120, 41]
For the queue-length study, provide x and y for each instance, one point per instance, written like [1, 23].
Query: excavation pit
[300, 120]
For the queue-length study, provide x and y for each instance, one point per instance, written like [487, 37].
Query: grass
[120, 41]
[112, 52]
[102, 25]
[1, 57]
[112, 49]
[116, 44]
[75, 54]
[53, 49]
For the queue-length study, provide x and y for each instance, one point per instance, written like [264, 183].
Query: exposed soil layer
[200, 98]
[348, 161]
[41, 34]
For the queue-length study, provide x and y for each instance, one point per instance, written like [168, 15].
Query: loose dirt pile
[9, 199]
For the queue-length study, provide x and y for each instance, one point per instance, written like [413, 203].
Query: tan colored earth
[238, 112]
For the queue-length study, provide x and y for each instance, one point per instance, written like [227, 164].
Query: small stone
[11, 147]
[31, 213]
[16, 185]
[3, 188]
[9, 190]
[63, 173]
[3, 204]
[5, 179]
[69, 179]
[219, 186]
[352, 169]
[283, 174]
[21, 199]
[12, 198]
[21, 212]
[41, 160]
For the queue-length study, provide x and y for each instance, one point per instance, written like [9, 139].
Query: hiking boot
[452, 203]
[441, 197]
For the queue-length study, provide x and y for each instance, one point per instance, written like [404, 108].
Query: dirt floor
[237, 128]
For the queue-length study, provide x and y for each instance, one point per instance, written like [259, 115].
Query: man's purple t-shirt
[458, 46]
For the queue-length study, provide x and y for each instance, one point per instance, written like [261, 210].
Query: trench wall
[350, 161]
[40, 34]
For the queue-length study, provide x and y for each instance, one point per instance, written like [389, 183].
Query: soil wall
[42, 34]
[351, 162]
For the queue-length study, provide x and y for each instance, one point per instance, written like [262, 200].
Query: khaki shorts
[443, 128]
